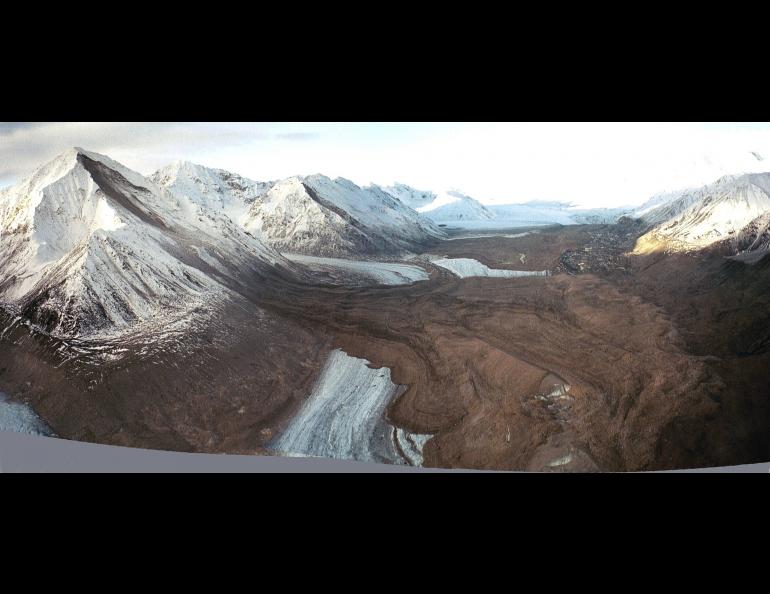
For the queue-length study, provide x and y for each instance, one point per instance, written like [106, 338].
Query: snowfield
[383, 273]
[468, 267]
[18, 417]
[344, 417]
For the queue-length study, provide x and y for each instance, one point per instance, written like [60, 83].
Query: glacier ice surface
[15, 416]
[344, 417]
[385, 273]
[468, 267]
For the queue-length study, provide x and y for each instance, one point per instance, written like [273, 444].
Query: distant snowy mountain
[319, 216]
[694, 219]
[533, 213]
[658, 200]
[453, 206]
[388, 224]
[731, 211]
[290, 217]
[413, 198]
[311, 215]
[212, 189]
[456, 209]
[90, 247]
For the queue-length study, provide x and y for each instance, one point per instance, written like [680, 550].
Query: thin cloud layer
[143, 146]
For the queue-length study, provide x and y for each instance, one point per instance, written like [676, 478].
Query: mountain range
[89, 246]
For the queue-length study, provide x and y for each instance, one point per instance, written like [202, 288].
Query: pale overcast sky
[590, 164]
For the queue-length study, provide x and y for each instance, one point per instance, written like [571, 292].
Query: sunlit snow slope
[721, 211]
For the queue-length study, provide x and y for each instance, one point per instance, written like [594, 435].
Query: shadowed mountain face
[140, 315]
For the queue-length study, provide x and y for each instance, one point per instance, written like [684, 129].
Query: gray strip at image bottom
[21, 452]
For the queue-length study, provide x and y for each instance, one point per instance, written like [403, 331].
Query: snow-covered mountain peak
[316, 176]
[408, 195]
[315, 214]
[214, 190]
[441, 199]
[457, 193]
[715, 212]
[321, 180]
[54, 194]
[48, 172]
[135, 178]
[90, 246]
[453, 206]
[181, 168]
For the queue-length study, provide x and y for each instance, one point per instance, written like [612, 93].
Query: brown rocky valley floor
[666, 359]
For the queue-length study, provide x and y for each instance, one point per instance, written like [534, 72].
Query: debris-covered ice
[344, 417]
[466, 267]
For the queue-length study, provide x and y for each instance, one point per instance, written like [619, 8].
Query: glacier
[16, 416]
[468, 267]
[384, 273]
[344, 417]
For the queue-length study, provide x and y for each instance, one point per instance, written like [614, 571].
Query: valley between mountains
[196, 310]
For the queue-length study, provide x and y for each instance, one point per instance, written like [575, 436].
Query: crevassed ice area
[386, 273]
[467, 267]
[15, 416]
[344, 417]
